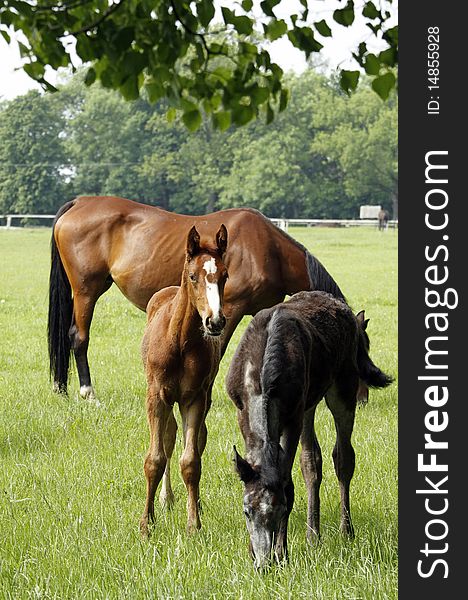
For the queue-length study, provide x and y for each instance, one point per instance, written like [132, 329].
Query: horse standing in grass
[98, 241]
[383, 218]
[289, 357]
[181, 354]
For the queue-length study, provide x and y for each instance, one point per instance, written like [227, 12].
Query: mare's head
[207, 276]
[265, 508]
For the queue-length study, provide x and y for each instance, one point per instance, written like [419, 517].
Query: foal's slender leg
[289, 441]
[311, 467]
[155, 462]
[166, 497]
[193, 414]
[343, 406]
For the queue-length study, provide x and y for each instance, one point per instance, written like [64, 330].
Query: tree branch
[96, 23]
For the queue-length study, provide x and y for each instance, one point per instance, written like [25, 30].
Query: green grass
[71, 478]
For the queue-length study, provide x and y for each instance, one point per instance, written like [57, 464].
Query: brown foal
[181, 351]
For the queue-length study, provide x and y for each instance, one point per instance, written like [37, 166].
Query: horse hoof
[87, 393]
[144, 530]
[166, 500]
[313, 537]
[59, 388]
[193, 527]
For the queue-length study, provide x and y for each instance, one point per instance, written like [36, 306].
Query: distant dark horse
[383, 217]
[289, 357]
[98, 241]
[181, 357]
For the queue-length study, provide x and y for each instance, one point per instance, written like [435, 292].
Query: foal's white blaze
[212, 290]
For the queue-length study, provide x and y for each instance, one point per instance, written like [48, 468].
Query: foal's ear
[362, 320]
[221, 239]
[193, 242]
[244, 470]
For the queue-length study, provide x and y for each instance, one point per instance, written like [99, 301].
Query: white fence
[285, 223]
[281, 223]
[9, 218]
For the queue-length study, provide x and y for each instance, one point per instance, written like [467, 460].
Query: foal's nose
[215, 325]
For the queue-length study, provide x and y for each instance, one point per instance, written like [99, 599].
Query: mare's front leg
[158, 414]
[289, 441]
[311, 467]
[166, 497]
[193, 410]
[342, 403]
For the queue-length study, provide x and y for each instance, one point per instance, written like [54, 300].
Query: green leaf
[222, 120]
[247, 5]
[322, 28]
[345, 16]
[389, 57]
[6, 36]
[90, 76]
[206, 12]
[192, 119]
[275, 29]
[370, 11]
[242, 114]
[34, 70]
[124, 38]
[129, 88]
[270, 115]
[268, 5]
[349, 80]
[284, 98]
[242, 24]
[171, 114]
[259, 95]
[155, 91]
[384, 84]
[372, 64]
[391, 36]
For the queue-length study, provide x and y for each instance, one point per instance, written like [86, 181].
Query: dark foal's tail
[60, 314]
[368, 372]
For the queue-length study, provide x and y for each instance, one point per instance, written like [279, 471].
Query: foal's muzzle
[214, 326]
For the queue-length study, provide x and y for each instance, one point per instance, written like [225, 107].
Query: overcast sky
[337, 50]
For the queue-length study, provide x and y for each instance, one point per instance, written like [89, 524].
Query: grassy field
[71, 478]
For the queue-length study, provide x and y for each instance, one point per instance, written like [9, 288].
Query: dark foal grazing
[289, 358]
[181, 353]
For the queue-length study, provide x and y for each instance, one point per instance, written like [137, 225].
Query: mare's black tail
[60, 314]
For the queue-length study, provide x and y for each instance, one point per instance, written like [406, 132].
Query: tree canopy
[201, 56]
[322, 158]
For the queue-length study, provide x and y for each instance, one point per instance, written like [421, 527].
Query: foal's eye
[193, 277]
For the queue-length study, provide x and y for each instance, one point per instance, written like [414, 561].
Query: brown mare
[181, 354]
[98, 241]
[289, 358]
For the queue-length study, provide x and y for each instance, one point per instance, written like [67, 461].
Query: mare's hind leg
[166, 497]
[155, 462]
[83, 308]
[342, 404]
[311, 467]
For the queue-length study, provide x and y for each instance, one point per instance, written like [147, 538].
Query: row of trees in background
[321, 158]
